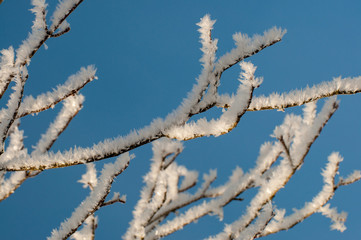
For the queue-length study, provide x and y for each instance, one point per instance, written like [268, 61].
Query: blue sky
[147, 56]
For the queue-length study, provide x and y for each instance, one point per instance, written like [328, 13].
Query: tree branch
[94, 201]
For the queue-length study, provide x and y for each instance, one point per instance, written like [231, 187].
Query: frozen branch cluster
[169, 187]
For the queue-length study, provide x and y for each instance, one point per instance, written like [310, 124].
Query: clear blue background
[146, 53]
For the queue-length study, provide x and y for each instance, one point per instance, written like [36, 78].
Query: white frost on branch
[86, 233]
[71, 106]
[279, 175]
[63, 8]
[309, 112]
[82, 155]
[337, 86]
[94, 200]
[338, 219]
[7, 115]
[6, 60]
[353, 177]
[14, 148]
[155, 130]
[64, 26]
[190, 178]
[39, 10]
[89, 178]
[209, 46]
[206, 78]
[246, 46]
[167, 183]
[40, 32]
[262, 220]
[229, 118]
[49, 99]
[29, 46]
[327, 192]
[154, 194]
[237, 183]
[308, 134]
[117, 197]
[247, 76]
[6, 67]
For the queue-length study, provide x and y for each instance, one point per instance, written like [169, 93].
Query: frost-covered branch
[156, 129]
[209, 48]
[172, 197]
[261, 222]
[40, 30]
[353, 177]
[245, 48]
[318, 203]
[269, 179]
[278, 177]
[164, 193]
[63, 10]
[64, 28]
[39, 35]
[48, 100]
[115, 199]
[159, 127]
[338, 86]
[7, 71]
[13, 69]
[88, 230]
[71, 107]
[229, 118]
[90, 179]
[16, 146]
[94, 201]
[222, 195]
[8, 115]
